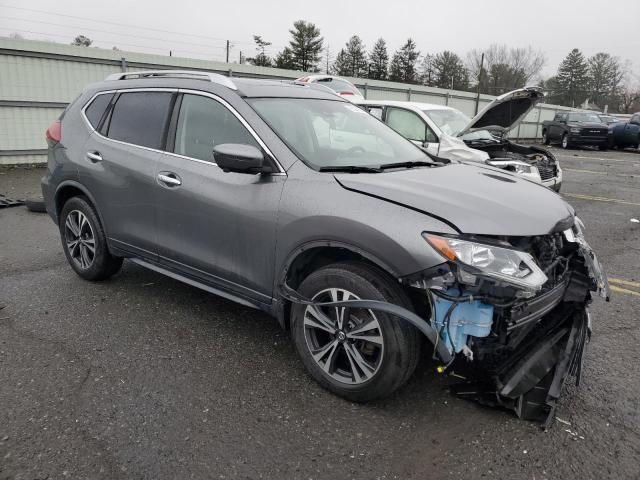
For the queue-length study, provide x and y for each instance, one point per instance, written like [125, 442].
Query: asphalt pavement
[144, 377]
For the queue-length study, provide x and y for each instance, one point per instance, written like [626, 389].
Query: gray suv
[285, 197]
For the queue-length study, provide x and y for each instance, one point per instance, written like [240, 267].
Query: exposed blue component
[467, 318]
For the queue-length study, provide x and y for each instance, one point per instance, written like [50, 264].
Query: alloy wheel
[79, 239]
[346, 343]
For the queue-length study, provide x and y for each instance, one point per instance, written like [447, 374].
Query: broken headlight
[507, 265]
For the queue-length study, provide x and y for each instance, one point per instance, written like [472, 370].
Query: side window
[407, 124]
[140, 118]
[204, 123]
[95, 111]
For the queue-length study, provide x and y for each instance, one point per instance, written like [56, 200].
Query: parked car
[625, 134]
[449, 133]
[572, 129]
[342, 87]
[241, 188]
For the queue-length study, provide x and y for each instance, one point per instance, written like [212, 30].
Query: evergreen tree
[352, 60]
[284, 59]
[605, 77]
[305, 46]
[450, 72]
[403, 63]
[261, 59]
[378, 60]
[82, 41]
[573, 79]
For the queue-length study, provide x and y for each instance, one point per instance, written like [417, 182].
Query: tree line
[495, 70]
[600, 80]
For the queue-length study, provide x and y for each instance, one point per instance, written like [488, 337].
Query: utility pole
[479, 80]
[328, 53]
[240, 57]
[169, 52]
[227, 51]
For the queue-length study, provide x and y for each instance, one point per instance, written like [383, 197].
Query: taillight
[54, 132]
[346, 93]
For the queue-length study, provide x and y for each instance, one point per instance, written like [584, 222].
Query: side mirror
[235, 157]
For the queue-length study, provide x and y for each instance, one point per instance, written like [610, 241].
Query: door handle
[169, 179]
[94, 157]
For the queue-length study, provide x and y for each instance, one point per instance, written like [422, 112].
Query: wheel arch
[314, 255]
[69, 189]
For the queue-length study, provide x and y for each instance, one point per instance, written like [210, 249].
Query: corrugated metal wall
[37, 79]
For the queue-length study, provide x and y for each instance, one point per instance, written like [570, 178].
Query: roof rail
[194, 74]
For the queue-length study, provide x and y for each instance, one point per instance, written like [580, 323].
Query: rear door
[216, 227]
[411, 126]
[120, 163]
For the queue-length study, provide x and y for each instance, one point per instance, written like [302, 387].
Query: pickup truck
[625, 134]
[575, 128]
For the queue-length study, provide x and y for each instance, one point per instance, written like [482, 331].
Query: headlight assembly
[514, 267]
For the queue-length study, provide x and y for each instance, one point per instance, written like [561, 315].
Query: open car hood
[505, 112]
[473, 199]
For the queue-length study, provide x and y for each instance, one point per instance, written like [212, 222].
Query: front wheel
[565, 141]
[545, 138]
[359, 354]
[84, 241]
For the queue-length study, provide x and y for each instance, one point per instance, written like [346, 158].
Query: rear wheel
[358, 354]
[84, 241]
[565, 141]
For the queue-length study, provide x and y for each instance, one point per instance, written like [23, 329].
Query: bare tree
[505, 68]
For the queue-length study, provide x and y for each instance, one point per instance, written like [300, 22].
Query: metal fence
[38, 79]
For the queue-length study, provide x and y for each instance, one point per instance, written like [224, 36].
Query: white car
[339, 85]
[449, 133]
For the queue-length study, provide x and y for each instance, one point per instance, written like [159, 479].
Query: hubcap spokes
[346, 343]
[80, 239]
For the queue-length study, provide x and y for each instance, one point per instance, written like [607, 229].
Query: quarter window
[204, 123]
[95, 111]
[140, 118]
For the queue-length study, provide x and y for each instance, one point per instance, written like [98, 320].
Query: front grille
[546, 171]
[593, 132]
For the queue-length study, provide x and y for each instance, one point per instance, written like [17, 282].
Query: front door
[411, 126]
[217, 227]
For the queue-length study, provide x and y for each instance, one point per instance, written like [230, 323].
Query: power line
[116, 33]
[120, 24]
[203, 54]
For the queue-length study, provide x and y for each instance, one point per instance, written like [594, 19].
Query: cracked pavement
[144, 377]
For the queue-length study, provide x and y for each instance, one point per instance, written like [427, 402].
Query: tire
[78, 219]
[381, 367]
[565, 141]
[36, 205]
[545, 138]
[603, 147]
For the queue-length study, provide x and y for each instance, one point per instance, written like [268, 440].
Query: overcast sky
[201, 27]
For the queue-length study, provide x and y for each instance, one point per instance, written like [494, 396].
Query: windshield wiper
[350, 169]
[385, 166]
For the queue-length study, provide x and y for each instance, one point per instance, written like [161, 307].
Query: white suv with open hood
[449, 133]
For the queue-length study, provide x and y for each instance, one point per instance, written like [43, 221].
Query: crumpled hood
[506, 111]
[473, 199]
[454, 148]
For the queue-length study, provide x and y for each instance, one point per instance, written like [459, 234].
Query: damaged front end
[512, 313]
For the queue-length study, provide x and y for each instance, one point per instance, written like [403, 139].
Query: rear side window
[96, 109]
[140, 118]
[204, 123]
[407, 124]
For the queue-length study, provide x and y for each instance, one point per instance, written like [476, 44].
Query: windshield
[583, 117]
[329, 133]
[448, 121]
